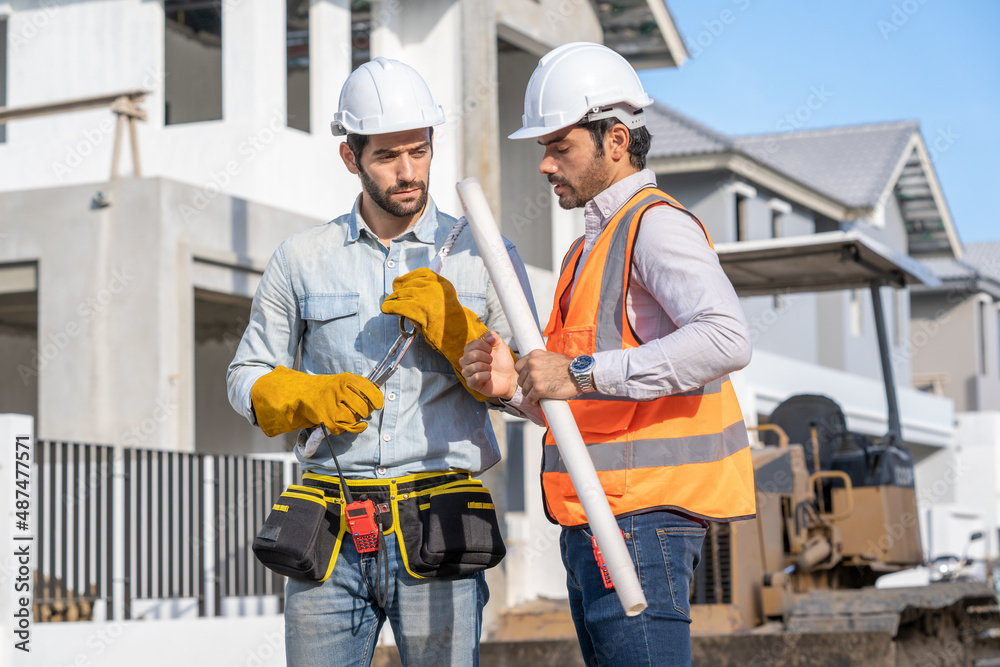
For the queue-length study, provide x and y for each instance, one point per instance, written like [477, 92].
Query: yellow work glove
[430, 302]
[285, 400]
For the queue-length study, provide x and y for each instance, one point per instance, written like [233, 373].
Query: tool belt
[445, 524]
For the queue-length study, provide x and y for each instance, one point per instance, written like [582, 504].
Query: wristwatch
[582, 370]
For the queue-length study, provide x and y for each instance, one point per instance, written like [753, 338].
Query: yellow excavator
[836, 510]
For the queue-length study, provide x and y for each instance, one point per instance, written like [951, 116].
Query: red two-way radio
[364, 527]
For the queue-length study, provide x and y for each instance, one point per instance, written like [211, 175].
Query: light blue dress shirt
[319, 300]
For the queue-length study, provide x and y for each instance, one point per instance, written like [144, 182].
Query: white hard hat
[581, 82]
[385, 96]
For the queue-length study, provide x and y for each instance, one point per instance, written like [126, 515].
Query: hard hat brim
[339, 130]
[533, 132]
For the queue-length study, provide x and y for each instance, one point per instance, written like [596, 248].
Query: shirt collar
[422, 231]
[607, 203]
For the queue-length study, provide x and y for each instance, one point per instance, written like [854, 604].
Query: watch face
[582, 363]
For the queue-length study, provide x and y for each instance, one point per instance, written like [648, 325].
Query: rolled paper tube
[557, 412]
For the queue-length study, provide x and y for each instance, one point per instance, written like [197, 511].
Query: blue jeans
[665, 548]
[336, 623]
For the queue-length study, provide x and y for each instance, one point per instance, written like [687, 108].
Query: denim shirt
[320, 298]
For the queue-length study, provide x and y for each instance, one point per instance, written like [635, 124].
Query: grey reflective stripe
[658, 453]
[611, 308]
[572, 250]
[713, 387]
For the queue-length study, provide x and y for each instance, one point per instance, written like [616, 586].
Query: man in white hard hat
[397, 547]
[643, 332]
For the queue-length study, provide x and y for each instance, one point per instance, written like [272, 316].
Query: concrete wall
[944, 341]
[539, 26]
[116, 302]
[701, 194]
[957, 489]
[525, 194]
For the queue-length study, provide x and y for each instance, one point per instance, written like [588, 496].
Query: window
[514, 461]
[856, 320]
[898, 318]
[3, 74]
[741, 218]
[776, 216]
[779, 209]
[982, 337]
[192, 60]
[297, 63]
[744, 193]
[361, 32]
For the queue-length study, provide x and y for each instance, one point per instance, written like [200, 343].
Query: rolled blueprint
[557, 412]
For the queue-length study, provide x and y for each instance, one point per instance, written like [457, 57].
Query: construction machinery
[836, 510]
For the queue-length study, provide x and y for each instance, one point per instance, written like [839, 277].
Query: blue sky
[937, 62]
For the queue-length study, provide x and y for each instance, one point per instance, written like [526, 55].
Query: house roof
[977, 271]
[643, 31]
[853, 164]
[675, 134]
[844, 173]
[985, 257]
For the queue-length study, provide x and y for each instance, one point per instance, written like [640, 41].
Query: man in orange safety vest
[644, 330]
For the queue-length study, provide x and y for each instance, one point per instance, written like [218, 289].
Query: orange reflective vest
[688, 451]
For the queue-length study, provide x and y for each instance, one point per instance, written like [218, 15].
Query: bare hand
[488, 367]
[544, 374]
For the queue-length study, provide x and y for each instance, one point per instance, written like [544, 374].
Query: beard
[590, 184]
[400, 209]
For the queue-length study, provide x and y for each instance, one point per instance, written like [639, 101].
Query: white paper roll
[558, 414]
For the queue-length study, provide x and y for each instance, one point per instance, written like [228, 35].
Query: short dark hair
[639, 140]
[357, 143]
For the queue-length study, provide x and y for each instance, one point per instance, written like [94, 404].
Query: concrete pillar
[253, 61]
[329, 59]
[428, 37]
[478, 110]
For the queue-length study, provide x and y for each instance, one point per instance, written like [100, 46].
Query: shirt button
[606, 211]
[387, 437]
[612, 390]
[391, 263]
[391, 396]
[380, 470]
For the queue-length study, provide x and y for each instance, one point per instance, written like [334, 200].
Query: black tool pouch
[301, 536]
[450, 530]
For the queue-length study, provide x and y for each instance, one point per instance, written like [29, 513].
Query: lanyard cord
[381, 591]
[344, 489]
